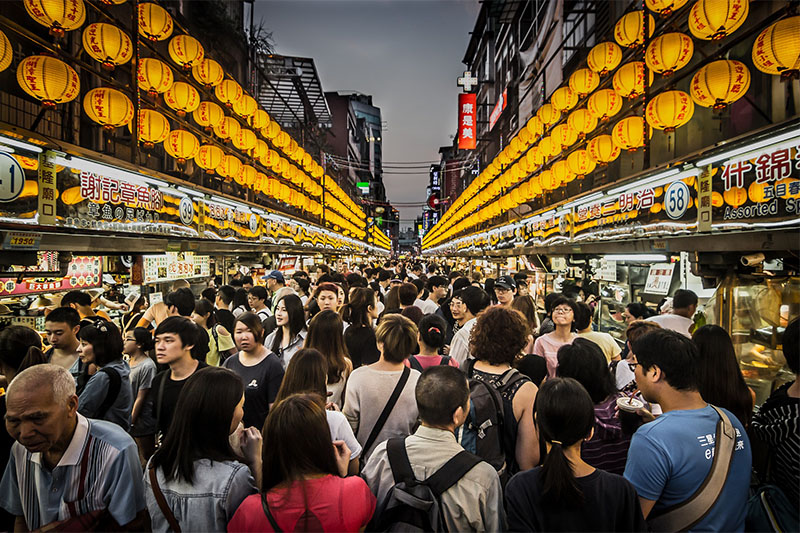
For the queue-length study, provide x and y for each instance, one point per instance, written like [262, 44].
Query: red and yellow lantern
[604, 104]
[562, 173]
[564, 99]
[245, 106]
[209, 157]
[182, 145]
[715, 19]
[582, 122]
[669, 52]
[229, 167]
[628, 133]
[664, 7]
[259, 119]
[228, 92]
[108, 107]
[580, 163]
[228, 128]
[182, 97]
[186, 51]
[603, 150]
[155, 23]
[245, 140]
[604, 57]
[154, 76]
[735, 196]
[48, 79]
[59, 15]
[548, 180]
[777, 48]
[669, 110]
[535, 127]
[548, 114]
[208, 115]
[583, 81]
[629, 79]
[246, 176]
[107, 44]
[564, 135]
[153, 127]
[208, 72]
[629, 29]
[720, 83]
[6, 52]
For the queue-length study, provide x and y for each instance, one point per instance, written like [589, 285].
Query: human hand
[251, 441]
[446, 349]
[235, 440]
[331, 406]
[342, 453]
[646, 415]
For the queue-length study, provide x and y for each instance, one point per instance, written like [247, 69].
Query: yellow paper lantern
[155, 23]
[604, 104]
[564, 135]
[535, 127]
[108, 107]
[273, 130]
[582, 122]
[525, 137]
[182, 145]
[629, 29]
[548, 114]
[6, 52]
[260, 151]
[107, 44]
[777, 48]
[208, 72]
[259, 119]
[548, 180]
[669, 52]
[716, 199]
[664, 7]
[562, 173]
[245, 106]
[581, 163]
[208, 115]
[245, 139]
[548, 147]
[227, 128]
[154, 76]
[720, 83]
[28, 163]
[669, 110]
[583, 81]
[282, 140]
[228, 92]
[714, 19]
[209, 157]
[246, 176]
[534, 157]
[629, 79]
[564, 99]
[153, 127]
[182, 97]
[604, 57]
[48, 79]
[735, 196]
[603, 150]
[628, 133]
[229, 167]
[59, 15]
[186, 51]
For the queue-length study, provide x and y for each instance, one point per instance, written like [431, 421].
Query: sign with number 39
[12, 178]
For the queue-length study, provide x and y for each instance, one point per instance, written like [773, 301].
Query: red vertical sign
[466, 121]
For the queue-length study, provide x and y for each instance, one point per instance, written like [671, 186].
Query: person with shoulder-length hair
[719, 378]
[361, 311]
[195, 470]
[325, 335]
[290, 317]
[527, 306]
[138, 347]
[565, 493]
[304, 487]
[564, 312]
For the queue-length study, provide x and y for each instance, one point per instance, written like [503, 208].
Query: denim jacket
[206, 504]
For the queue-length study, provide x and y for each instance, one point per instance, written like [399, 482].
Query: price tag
[15, 240]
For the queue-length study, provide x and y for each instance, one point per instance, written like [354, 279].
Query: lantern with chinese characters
[604, 104]
[209, 157]
[669, 110]
[107, 44]
[628, 133]
[548, 180]
[777, 48]
[208, 115]
[548, 114]
[272, 130]
[59, 15]
[735, 196]
[6, 52]
[182, 145]
[549, 148]
[604, 57]
[186, 51]
[48, 79]
[669, 52]
[228, 92]
[534, 127]
[154, 76]
[246, 176]
[260, 151]
[582, 122]
[664, 7]
[583, 81]
[227, 128]
[282, 140]
[562, 173]
[629, 30]
[534, 157]
[229, 167]
[715, 19]
[564, 99]
[564, 135]
[208, 72]
[720, 83]
[245, 106]
[629, 79]
[580, 163]
[154, 22]
[525, 137]
[182, 97]
[245, 140]
[259, 119]
[153, 127]
[108, 107]
[603, 150]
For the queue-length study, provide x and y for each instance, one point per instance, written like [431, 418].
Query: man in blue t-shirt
[670, 457]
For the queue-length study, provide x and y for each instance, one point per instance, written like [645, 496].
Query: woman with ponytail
[431, 339]
[566, 493]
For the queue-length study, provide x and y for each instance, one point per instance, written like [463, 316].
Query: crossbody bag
[387, 410]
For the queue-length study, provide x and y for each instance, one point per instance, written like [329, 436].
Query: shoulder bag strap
[162, 502]
[451, 472]
[687, 514]
[414, 363]
[114, 385]
[470, 364]
[444, 361]
[272, 521]
[398, 460]
[387, 410]
[160, 398]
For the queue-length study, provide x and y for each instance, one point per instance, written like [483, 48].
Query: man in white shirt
[466, 305]
[437, 290]
[257, 298]
[684, 305]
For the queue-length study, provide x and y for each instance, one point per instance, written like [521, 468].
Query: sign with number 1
[12, 178]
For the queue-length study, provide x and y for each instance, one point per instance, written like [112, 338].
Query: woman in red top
[431, 339]
[304, 484]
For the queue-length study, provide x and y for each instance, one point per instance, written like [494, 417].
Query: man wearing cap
[275, 282]
[505, 288]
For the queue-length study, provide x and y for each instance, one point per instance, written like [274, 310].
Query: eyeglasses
[562, 310]
[633, 365]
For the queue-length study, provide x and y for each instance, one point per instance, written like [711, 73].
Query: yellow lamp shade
[564, 99]
[182, 145]
[535, 127]
[735, 196]
[245, 106]
[273, 130]
[548, 114]
[107, 44]
[155, 23]
[603, 150]
[293, 150]
[548, 147]
[208, 115]
[581, 163]
[629, 29]
[669, 110]
[209, 157]
[186, 51]
[524, 137]
[153, 127]
[604, 104]
[777, 48]
[582, 122]
[534, 157]
[229, 167]
[562, 173]
[548, 180]
[669, 52]
[208, 72]
[720, 83]
[245, 139]
[154, 76]
[716, 199]
[246, 176]
[564, 135]
[583, 81]
[28, 163]
[108, 107]
[183, 98]
[714, 19]
[604, 57]
[282, 140]
[629, 79]
[6, 52]
[228, 128]
[272, 160]
[48, 79]
[260, 151]
[58, 15]
[259, 119]
[228, 92]
[283, 192]
[628, 133]
[664, 7]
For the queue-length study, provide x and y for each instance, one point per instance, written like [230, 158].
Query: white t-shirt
[341, 430]
[428, 307]
[678, 323]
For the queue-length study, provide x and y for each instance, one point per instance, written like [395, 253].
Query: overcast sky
[405, 53]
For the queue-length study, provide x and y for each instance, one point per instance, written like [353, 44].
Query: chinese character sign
[466, 121]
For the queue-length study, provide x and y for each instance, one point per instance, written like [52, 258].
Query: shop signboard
[175, 265]
[227, 221]
[48, 190]
[83, 272]
[607, 270]
[467, 121]
[659, 279]
[288, 264]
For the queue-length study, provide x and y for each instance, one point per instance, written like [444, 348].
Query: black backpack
[415, 364]
[413, 505]
[490, 431]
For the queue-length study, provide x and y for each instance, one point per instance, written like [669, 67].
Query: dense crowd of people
[390, 397]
